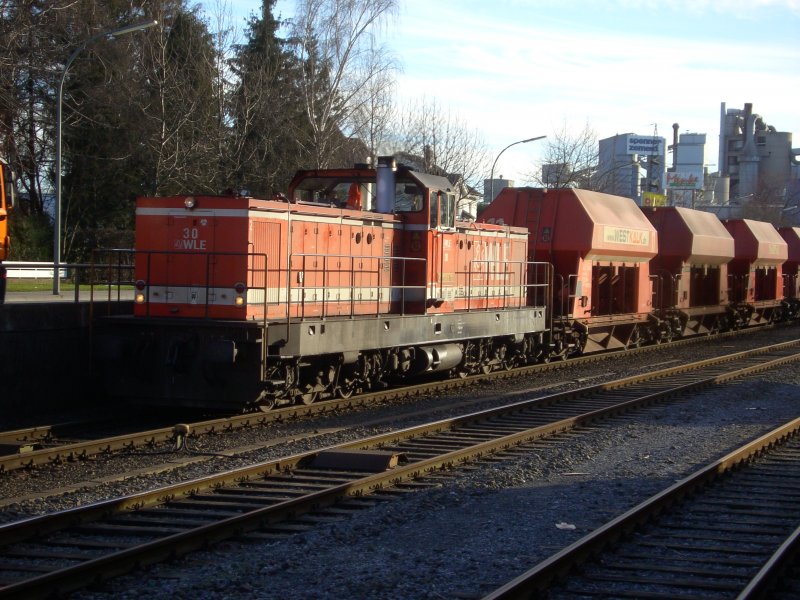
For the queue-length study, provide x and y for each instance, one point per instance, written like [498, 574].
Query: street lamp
[491, 178]
[57, 221]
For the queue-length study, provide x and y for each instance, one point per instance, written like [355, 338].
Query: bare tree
[569, 160]
[766, 204]
[373, 103]
[183, 109]
[446, 144]
[335, 41]
[226, 34]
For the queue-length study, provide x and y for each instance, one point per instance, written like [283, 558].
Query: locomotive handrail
[524, 286]
[208, 257]
[326, 273]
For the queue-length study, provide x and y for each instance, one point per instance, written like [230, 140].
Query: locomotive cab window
[407, 198]
[443, 210]
[345, 192]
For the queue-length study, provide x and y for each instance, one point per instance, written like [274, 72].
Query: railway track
[46, 445]
[731, 530]
[64, 551]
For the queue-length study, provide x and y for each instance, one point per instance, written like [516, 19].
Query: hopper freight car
[311, 295]
[756, 294]
[691, 271]
[791, 281]
[600, 247]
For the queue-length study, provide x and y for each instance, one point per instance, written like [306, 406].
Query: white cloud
[526, 77]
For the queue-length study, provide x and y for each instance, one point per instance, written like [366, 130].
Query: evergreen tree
[140, 117]
[265, 112]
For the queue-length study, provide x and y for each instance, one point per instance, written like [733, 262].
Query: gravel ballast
[472, 532]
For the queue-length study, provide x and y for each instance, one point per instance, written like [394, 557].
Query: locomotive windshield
[360, 193]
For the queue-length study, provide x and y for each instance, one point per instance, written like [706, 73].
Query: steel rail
[90, 448]
[26, 434]
[766, 578]
[537, 580]
[170, 545]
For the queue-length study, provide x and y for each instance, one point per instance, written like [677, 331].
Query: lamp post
[491, 177]
[57, 211]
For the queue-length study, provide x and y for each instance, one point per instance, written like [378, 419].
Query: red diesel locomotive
[363, 277]
[263, 302]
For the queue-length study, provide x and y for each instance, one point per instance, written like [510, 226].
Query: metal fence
[112, 281]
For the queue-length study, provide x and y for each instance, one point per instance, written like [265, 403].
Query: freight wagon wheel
[635, 340]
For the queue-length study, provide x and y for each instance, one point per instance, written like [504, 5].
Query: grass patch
[46, 285]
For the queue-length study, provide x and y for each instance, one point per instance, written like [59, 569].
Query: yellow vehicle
[6, 202]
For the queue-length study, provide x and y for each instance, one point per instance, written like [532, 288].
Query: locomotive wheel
[308, 398]
[266, 405]
[345, 391]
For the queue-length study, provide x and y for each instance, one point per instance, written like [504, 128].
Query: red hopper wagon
[600, 246]
[756, 280]
[691, 270]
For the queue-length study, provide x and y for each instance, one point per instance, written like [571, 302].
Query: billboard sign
[624, 235]
[648, 145]
[653, 199]
[685, 180]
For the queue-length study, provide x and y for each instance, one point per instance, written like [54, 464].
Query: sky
[516, 69]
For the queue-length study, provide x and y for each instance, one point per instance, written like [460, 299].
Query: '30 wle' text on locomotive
[253, 302]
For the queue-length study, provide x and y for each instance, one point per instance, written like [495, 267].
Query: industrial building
[631, 165]
[758, 172]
